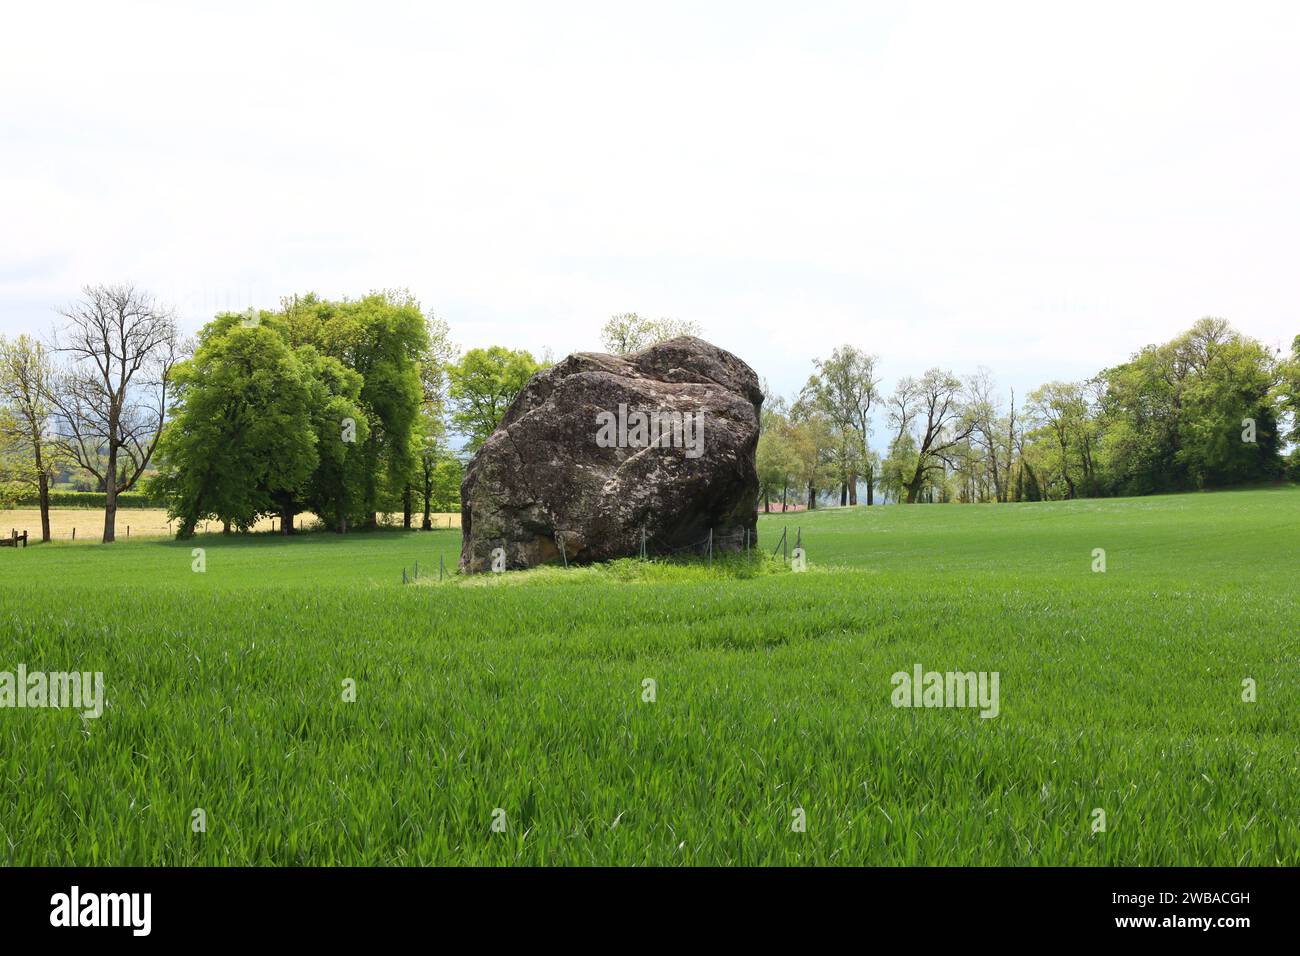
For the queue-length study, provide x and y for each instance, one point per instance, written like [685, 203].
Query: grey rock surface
[599, 448]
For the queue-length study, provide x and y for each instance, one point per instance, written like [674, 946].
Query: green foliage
[844, 388]
[481, 387]
[340, 426]
[241, 440]
[383, 337]
[314, 406]
[1173, 416]
[447, 476]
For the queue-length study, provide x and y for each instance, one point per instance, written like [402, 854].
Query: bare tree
[903, 407]
[983, 411]
[936, 399]
[26, 375]
[628, 332]
[112, 401]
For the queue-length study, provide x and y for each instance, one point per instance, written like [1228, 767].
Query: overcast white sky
[1040, 188]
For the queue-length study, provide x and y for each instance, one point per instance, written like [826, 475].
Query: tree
[26, 380]
[628, 332]
[336, 490]
[984, 412]
[242, 441]
[898, 468]
[111, 404]
[447, 477]
[1060, 410]
[431, 426]
[1171, 418]
[812, 440]
[481, 387]
[382, 336]
[934, 400]
[845, 387]
[1288, 396]
[775, 459]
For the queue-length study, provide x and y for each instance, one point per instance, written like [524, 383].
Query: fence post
[784, 532]
[710, 546]
[417, 570]
[74, 534]
[403, 575]
[440, 567]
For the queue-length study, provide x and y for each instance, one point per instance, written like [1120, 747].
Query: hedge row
[92, 499]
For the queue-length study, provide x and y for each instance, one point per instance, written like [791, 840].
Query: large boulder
[600, 449]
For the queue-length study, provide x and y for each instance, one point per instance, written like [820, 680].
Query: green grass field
[1120, 691]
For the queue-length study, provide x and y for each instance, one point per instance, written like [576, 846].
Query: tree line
[1210, 408]
[347, 409]
[341, 408]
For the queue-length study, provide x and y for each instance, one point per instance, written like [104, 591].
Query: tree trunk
[871, 488]
[427, 525]
[812, 496]
[844, 493]
[110, 491]
[287, 515]
[43, 492]
[914, 488]
[225, 526]
[406, 507]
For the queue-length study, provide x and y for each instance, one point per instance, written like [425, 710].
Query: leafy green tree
[335, 490]
[845, 387]
[447, 477]
[899, 466]
[383, 337]
[1061, 411]
[431, 426]
[481, 387]
[775, 460]
[814, 441]
[1174, 415]
[242, 439]
[1288, 400]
